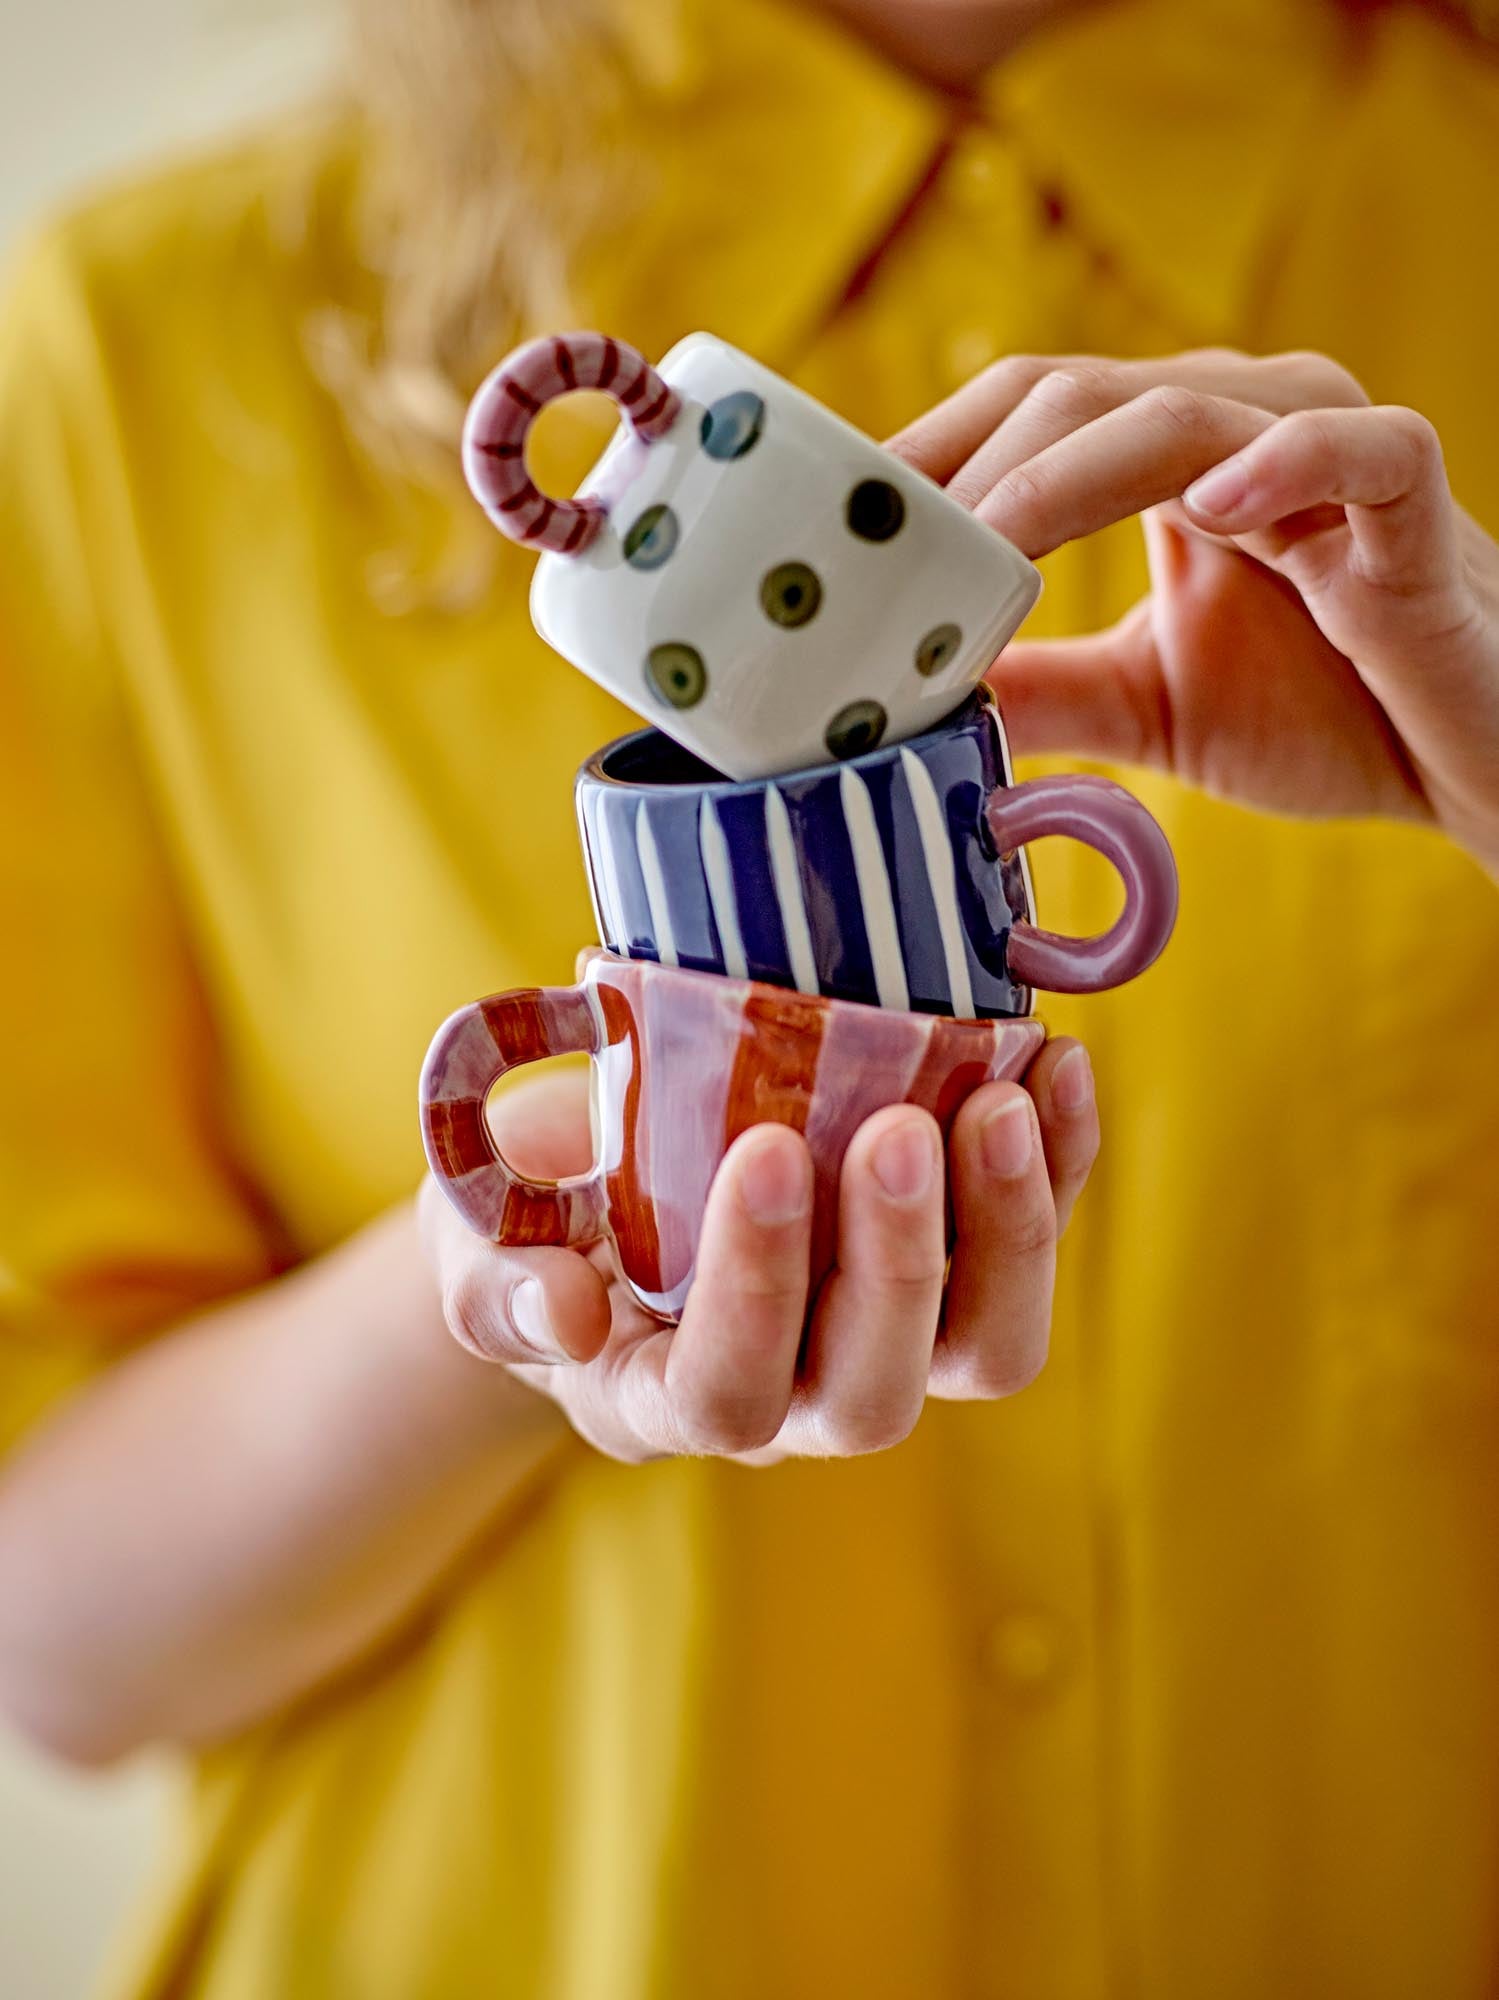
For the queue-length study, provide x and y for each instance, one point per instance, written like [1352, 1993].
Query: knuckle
[1082, 1155]
[1178, 408]
[987, 1367]
[1032, 1231]
[909, 1265]
[772, 1284]
[716, 1423]
[1308, 435]
[1417, 434]
[1332, 382]
[1014, 375]
[1082, 390]
[859, 1430]
[969, 486]
[468, 1307]
[1023, 491]
[1075, 1156]
[1017, 1367]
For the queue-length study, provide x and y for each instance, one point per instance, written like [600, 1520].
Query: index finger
[1147, 451]
[941, 438]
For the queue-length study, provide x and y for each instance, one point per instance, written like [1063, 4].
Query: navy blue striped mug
[897, 877]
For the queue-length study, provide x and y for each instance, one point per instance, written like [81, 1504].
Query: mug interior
[650, 757]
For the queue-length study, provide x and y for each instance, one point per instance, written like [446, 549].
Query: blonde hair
[491, 148]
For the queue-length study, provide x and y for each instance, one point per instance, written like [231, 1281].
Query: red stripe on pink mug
[683, 1062]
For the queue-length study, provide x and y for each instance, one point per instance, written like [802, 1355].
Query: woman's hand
[1322, 630]
[737, 1377]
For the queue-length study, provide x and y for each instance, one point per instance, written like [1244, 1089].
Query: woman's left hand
[758, 1368]
[1322, 630]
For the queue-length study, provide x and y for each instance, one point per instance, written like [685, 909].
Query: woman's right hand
[735, 1377]
[1322, 630]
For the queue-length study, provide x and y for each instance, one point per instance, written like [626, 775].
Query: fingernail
[775, 1182]
[1072, 1081]
[1006, 1139]
[529, 1316]
[1220, 491]
[904, 1160]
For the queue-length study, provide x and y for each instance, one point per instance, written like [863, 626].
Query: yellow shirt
[1175, 1676]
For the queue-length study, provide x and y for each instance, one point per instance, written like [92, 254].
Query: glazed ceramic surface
[745, 568]
[879, 880]
[683, 1062]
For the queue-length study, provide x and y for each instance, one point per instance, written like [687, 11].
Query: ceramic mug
[744, 567]
[897, 878]
[683, 1062]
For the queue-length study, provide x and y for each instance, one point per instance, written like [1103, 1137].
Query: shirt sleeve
[122, 1206]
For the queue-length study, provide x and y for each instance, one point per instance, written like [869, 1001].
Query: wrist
[413, 1369]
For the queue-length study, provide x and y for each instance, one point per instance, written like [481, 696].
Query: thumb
[513, 1306]
[1098, 695]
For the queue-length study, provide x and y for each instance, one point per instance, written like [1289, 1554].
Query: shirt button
[968, 351]
[1027, 1651]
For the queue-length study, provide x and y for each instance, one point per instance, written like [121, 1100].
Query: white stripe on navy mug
[786, 872]
[655, 886]
[876, 902]
[613, 891]
[590, 819]
[936, 851]
[719, 875]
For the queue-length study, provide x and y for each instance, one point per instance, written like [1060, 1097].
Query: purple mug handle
[1103, 816]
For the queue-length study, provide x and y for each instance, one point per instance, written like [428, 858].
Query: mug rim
[598, 958]
[594, 769]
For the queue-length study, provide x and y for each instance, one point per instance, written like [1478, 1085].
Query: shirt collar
[779, 149]
[1179, 133]
[1175, 131]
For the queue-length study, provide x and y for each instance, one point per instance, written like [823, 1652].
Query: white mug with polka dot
[742, 567]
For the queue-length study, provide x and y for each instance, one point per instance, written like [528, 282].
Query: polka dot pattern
[855, 729]
[651, 539]
[790, 594]
[677, 674]
[732, 425]
[875, 512]
[938, 650]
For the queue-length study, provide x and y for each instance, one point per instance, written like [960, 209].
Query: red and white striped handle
[501, 414]
[470, 1052]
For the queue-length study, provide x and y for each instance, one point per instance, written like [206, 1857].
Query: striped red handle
[471, 1051]
[501, 414]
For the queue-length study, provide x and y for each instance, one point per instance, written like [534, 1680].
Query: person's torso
[1174, 1674]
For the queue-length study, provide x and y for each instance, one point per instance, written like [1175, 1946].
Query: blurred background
[86, 87]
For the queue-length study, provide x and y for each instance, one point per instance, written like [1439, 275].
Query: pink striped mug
[683, 1062]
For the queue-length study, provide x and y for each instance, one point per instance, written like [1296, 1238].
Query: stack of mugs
[809, 877]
